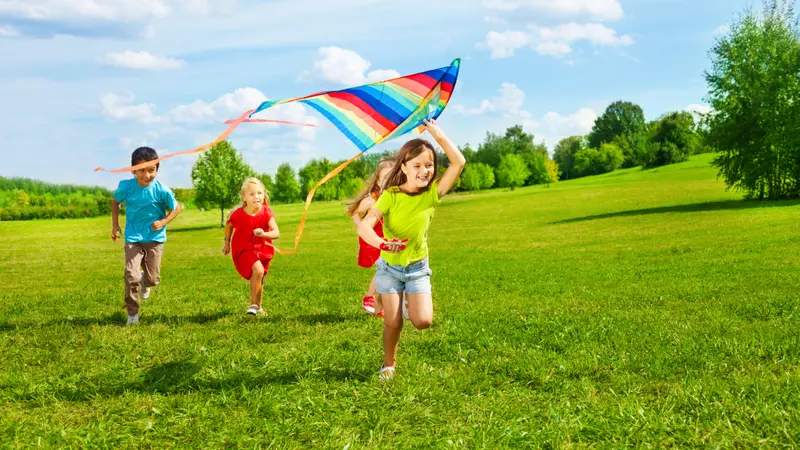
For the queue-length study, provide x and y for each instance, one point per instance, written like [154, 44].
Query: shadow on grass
[118, 319]
[184, 377]
[323, 319]
[695, 207]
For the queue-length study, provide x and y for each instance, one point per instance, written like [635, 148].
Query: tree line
[26, 199]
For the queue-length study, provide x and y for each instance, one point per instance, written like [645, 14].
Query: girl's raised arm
[454, 155]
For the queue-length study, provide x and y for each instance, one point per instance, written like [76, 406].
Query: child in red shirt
[367, 254]
[253, 226]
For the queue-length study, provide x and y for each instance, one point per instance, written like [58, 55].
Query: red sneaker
[368, 304]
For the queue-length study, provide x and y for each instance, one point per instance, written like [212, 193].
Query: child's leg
[257, 284]
[392, 326]
[134, 253]
[420, 310]
[152, 263]
[378, 304]
[372, 287]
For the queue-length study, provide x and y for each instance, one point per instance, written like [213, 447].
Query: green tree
[269, 185]
[595, 161]
[477, 176]
[512, 171]
[286, 188]
[671, 139]
[753, 91]
[621, 118]
[564, 155]
[217, 177]
[492, 149]
[537, 168]
[469, 154]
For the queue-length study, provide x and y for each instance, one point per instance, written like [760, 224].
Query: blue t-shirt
[143, 206]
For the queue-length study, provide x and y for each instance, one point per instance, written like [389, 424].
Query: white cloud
[142, 60]
[696, 107]
[345, 67]
[593, 9]
[100, 18]
[552, 126]
[555, 41]
[494, 20]
[107, 10]
[508, 102]
[120, 107]
[7, 31]
[722, 30]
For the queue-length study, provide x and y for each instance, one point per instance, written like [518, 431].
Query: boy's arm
[116, 231]
[159, 224]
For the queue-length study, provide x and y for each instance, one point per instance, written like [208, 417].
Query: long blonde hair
[247, 182]
[372, 186]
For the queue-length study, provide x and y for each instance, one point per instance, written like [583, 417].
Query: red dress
[367, 254]
[247, 248]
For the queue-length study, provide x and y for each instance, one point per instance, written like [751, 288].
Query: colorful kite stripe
[379, 111]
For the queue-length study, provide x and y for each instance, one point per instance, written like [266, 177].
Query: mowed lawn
[635, 309]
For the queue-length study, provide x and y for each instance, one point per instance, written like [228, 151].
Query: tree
[492, 149]
[512, 171]
[552, 171]
[671, 139]
[594, 161]
[312, 173]
[217, 176]
[266, 180]
[564, 155]
[469, 154]
[537, 168]
[477, 176]
[753, 92]
[470, 178]
[621, 118]
[286, 188]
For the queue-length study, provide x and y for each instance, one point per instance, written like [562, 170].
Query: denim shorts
[413, 279]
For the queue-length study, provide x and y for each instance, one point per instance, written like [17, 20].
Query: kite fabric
[367, 115]
[377, 112]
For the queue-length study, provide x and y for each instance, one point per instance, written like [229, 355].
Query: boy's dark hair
[144, 154]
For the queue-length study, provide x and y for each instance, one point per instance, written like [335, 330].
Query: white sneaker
[144, 291]
[253, 310]
[133, 320]
[405, 307]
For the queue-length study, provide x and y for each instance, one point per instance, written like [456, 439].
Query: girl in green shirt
[406, 207]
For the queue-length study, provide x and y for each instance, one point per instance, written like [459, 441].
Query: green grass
[636, 309]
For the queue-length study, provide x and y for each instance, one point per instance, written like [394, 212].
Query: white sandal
[386, 373]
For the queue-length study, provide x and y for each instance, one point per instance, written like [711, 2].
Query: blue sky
[84, 82]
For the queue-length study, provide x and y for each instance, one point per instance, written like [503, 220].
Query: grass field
[636, 309]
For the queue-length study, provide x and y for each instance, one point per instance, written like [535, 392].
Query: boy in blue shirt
[146, 203]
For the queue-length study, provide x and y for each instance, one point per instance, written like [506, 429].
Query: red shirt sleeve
[235, 218]
[268, 215]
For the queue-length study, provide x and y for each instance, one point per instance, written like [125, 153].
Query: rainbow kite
[377, 112]
[367, 115]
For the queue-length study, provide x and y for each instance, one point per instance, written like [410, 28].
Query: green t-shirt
[407, 217]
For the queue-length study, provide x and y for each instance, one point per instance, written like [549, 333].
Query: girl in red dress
[367, 254]
[254, 228]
